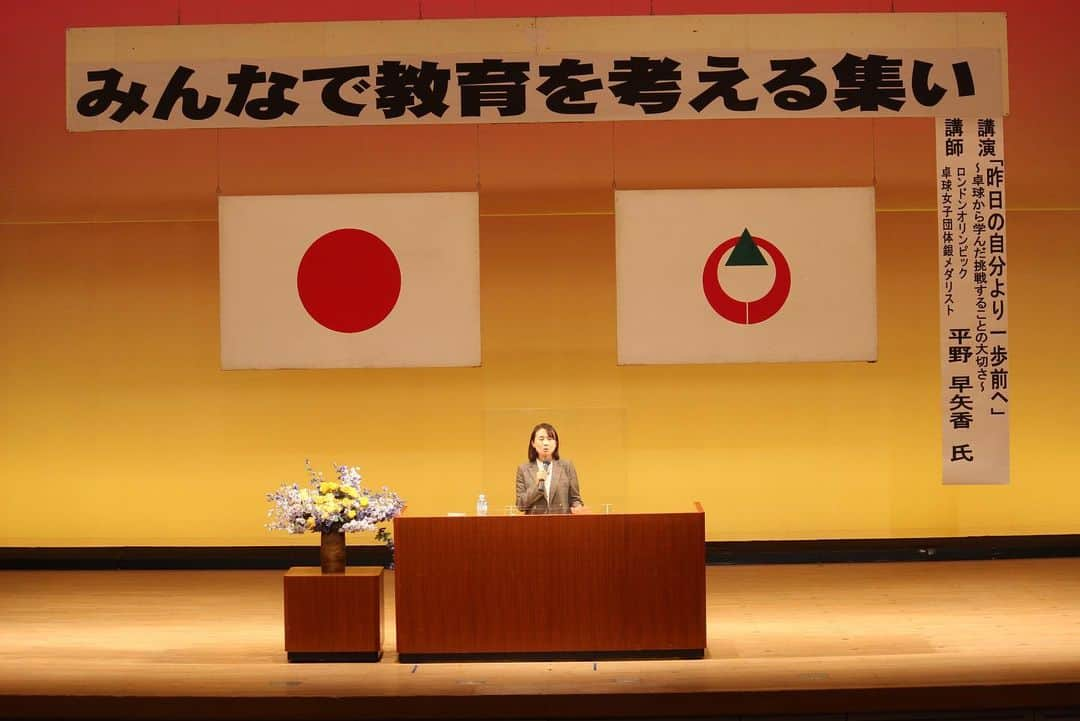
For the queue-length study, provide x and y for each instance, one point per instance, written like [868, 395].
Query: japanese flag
[746, 275]
[334, 281]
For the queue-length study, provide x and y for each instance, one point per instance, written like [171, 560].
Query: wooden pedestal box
[333, 617]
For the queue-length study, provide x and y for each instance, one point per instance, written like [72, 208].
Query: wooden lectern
[619, 585]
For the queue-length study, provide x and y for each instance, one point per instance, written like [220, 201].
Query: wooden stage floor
[799, 639]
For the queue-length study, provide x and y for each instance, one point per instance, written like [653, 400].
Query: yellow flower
[310, 522]
[350, 491]
[364, 501]
[328, 487]
[352, 514]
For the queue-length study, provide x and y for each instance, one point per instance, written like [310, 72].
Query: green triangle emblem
[746, 252]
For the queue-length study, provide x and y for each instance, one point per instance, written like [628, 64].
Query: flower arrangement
[337, 506]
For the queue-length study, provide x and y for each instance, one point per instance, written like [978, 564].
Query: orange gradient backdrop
[119, 428]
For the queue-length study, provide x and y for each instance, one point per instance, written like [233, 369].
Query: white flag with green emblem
[746, 275]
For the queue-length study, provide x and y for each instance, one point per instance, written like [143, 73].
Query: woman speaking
[547, 484]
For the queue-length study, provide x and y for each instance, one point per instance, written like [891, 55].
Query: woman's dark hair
[551, 432]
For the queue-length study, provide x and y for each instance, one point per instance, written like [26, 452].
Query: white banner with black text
[536, 70]
[974, 300]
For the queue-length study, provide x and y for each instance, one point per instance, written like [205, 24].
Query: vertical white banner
[974, 300]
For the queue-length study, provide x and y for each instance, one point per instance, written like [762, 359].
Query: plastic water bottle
[481, 505]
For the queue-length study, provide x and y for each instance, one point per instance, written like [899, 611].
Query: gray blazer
[565, 493]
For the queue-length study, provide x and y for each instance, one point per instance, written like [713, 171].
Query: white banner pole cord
[974, 300]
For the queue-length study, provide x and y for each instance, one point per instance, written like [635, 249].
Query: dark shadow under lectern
[581, 586]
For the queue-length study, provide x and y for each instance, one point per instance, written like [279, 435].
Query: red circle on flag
[348, 280]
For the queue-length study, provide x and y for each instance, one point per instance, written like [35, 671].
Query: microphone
[546, 474]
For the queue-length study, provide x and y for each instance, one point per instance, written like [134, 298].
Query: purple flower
[341, 505]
